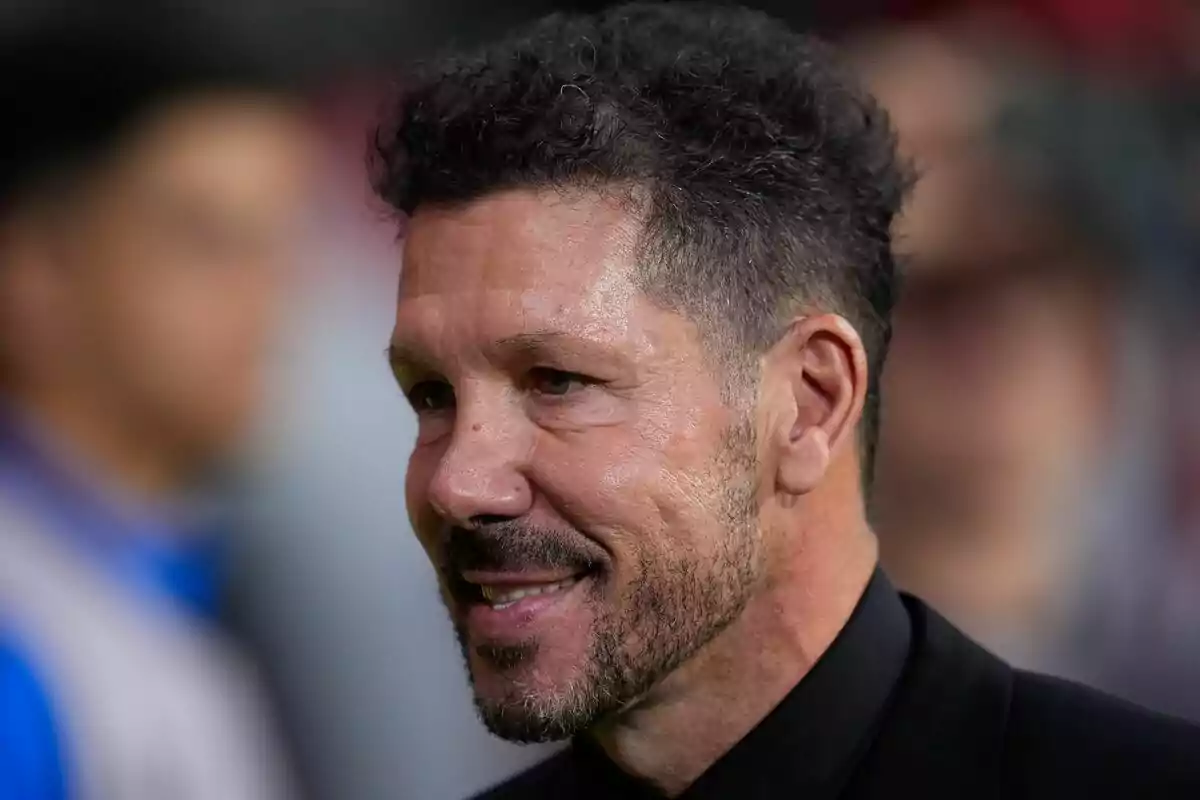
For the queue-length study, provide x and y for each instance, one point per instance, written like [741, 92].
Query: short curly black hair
[768, 178]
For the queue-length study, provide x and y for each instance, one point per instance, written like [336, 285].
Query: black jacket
[952, 721]
[965, 724]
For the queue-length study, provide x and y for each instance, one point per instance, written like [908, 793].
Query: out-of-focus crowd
[205, 568]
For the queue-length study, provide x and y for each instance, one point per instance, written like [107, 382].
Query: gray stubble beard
[675, 609]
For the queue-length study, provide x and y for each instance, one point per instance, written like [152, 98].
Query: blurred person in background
[998, 393]
[1023, 474]
[149, 194]
[327, 585]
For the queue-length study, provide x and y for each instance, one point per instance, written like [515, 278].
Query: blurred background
[202, 450]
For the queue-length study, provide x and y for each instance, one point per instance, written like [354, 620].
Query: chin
[524, 672]
[522, 696]
[535, 719]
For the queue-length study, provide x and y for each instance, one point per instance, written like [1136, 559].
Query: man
[645, 300]
[149, 197]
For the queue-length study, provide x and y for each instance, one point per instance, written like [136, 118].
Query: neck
[133, 462]
[705, 707]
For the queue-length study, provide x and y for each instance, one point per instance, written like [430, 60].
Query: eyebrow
[534, 343]
[552, 344]
[408, 362]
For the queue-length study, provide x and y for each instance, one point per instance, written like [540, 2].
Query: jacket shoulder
[1063, 737]
[965, 724]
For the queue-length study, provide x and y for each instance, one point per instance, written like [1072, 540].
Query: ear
[817, 375]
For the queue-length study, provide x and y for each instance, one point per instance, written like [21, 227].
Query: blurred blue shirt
[148, 551]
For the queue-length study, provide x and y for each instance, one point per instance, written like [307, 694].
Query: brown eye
[431, 396]
[555, 382]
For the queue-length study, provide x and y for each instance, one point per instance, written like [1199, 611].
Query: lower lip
[521, 619]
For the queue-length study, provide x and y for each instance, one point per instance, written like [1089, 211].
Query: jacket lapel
[944, 733]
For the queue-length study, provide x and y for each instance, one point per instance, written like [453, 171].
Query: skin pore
[623, 548]
[139, 298]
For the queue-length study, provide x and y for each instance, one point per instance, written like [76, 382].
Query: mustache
[512, 545]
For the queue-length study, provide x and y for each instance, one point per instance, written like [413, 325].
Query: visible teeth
[501, 597]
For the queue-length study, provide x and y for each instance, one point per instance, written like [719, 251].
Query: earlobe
[821, 364]
[807, 462]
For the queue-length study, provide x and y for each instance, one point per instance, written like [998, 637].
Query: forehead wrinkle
[519, 239]
[496, 339]
[526, 264]
[441, 334]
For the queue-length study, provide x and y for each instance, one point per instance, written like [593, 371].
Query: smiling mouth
[503, 596]
[501, 590]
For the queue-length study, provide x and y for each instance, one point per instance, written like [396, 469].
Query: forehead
[520, 260]
[515, 240]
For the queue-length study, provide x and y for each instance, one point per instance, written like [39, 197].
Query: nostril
[474, 477]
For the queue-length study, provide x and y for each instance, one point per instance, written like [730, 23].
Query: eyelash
[423, 391]
[552, 373]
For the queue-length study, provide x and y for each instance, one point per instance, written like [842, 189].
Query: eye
[556, 382]
[431, 396]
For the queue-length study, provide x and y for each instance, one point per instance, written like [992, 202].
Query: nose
[481, 472]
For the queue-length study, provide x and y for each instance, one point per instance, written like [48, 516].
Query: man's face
[584, 492]
[169, 271]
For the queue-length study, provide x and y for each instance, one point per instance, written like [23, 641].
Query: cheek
[213, 331]
[601, 482]
[640, 492]
[225, 319]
